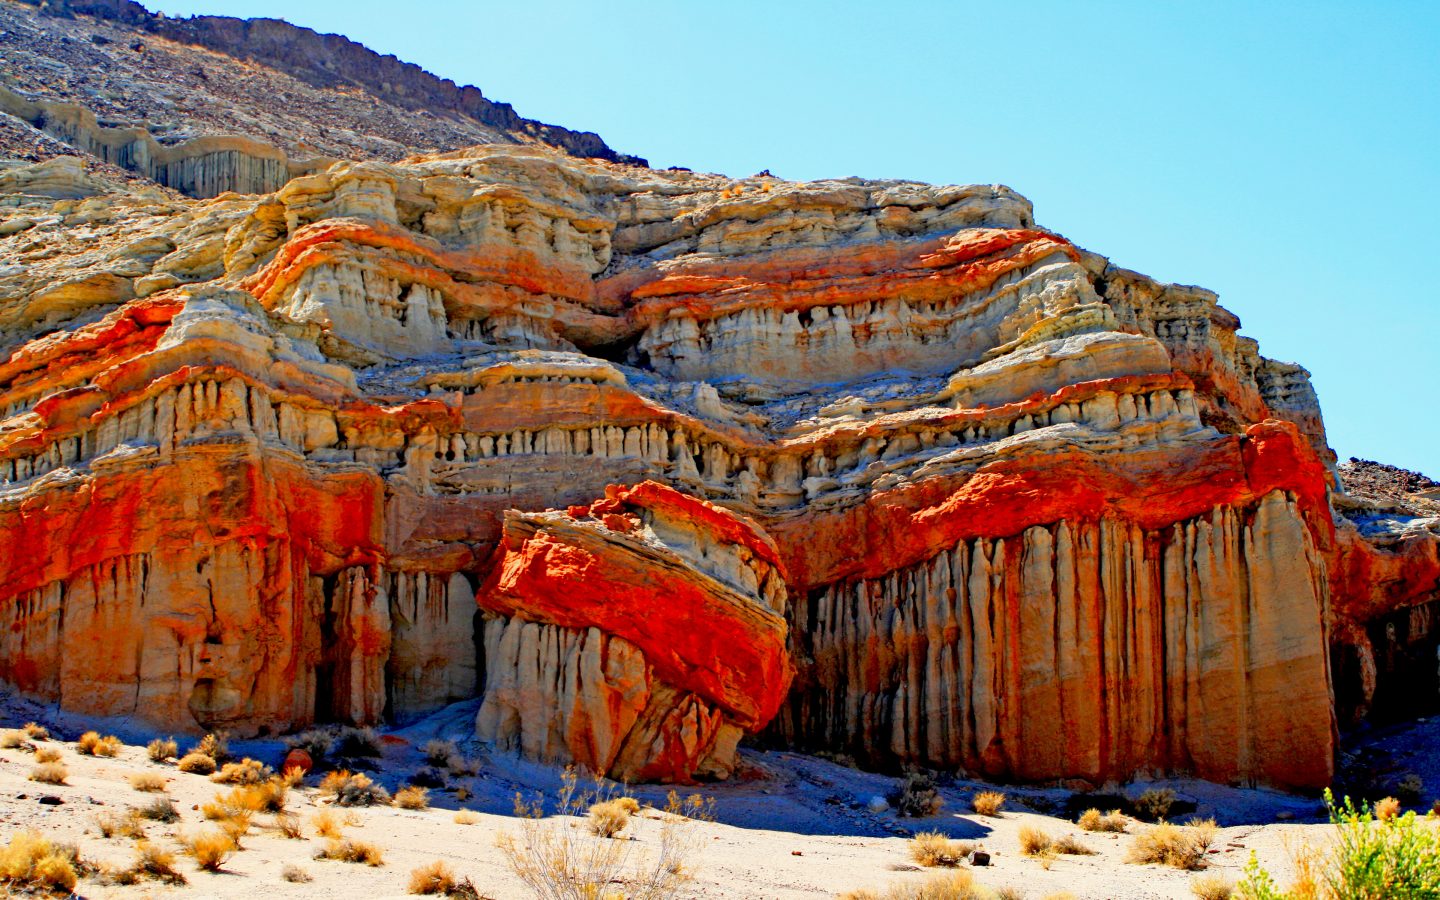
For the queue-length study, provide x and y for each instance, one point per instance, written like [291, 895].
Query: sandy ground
[789, 826]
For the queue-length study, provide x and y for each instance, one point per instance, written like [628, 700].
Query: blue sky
[1282, 154]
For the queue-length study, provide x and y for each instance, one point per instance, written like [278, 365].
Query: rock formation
[650, 461]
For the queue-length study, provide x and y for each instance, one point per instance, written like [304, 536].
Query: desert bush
[916, 796]
[931, 848]
[1069, 845]
[246, 771]
[554, 859]
[209, 849]
[1093, 820]
[35, 731]
[1409, 789]
[1387, 808]
[1154, 804]
[29, 862]
[432, 878]
[354, 789]
[466, 817]
[50, 773]
[116, 824]
[197, 763]
[288, 824]
[92, 744]
[1008, 892]
[352, 743]
[270, 795]
[47, 754]
[1211, 887]
[1034, 842]
[958, 885]
[295, 874]
[429, 777]
[987, 803]
[326, 824]
[147, 782]
[608, 818]
[352, 851]
[162, 749]
[1177, 846]
[161, 809]
[154, 861]
[413, 797]
[317, 742]
[215, 745]
[12, 739]
[438, 753]
[462, 766]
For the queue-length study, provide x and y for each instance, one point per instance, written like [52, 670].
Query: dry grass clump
[35, 731]
[161, 809]
[288, 824]
[11, 739]
[1180, 847]
[215, 745]
[609, 817]
[357, 742]
[413, 797]
[316, 741]
[1211, 887]
[326, 824]
[352, 851]
[126, 825]
[916, 797]
[50, 773]
[246, 771]
[209, 849]
[462, 766]
[197, 763]
[162, 749]
[432, 878]
[438, 753]
[354, 789]
[92, 744]
[30, 862]
[147, 782]
[1034, 842]
[959, 885]
[931, 848]
[154, 861]
[295, 874]
[466, 817]
[1154, 804]
[988, 803]
[1388, 808]
[47, 754]
[1094, 820]
[1069, 845]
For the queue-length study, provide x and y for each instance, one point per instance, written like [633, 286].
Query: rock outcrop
[652, 461]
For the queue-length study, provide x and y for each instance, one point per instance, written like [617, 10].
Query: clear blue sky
[1286, 155]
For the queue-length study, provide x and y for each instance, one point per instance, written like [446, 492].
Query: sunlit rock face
[652, 461]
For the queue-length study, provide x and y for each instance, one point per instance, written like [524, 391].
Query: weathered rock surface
[650, 461]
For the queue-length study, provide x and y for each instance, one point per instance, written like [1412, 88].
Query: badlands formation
[656, 462]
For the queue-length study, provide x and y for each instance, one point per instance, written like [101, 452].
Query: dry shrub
[35, 731]
[197, 763]
[1071, 846]
[147, 782]
[295, 874]
[1034, 842]
[47, 754]
[413, 797]
[1388, 808]
[1093, 820]
[246, 771]
[959, 885]
[1173, 845]
[317, 742]
[11, 739]
[462, 766]
[608, 818]
[988, 803]
[326, 824]
[432, 878]
[126, 825]
[352, 851]
[931, 848]
[215, 745]
[555, 859]
[1154, 804]
[916, 797]
[288, 824]
[30, 862]
[438, 753]
[1211, 887]
[466, 817]
[154, 861]
[1008, 892]
[354, 789]
[1409, 789]
[356, 742]
[162, 749]
[92, 744]
[161, 809]
[209, 849]
[50, 773]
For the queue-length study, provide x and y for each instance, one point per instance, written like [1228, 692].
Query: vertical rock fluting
[1087, 650]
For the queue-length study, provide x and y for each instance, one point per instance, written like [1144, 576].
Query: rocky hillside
[153, 94]
[654, 462]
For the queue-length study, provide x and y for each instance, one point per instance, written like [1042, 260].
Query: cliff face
[650, 461]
